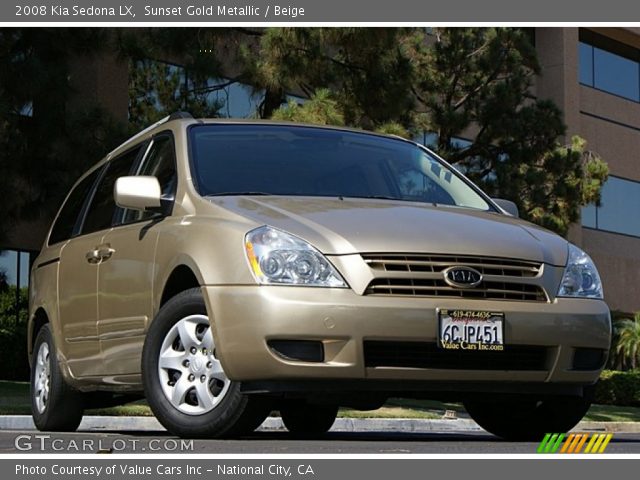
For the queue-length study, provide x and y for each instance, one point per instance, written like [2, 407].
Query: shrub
[13, 335]
[618, 388]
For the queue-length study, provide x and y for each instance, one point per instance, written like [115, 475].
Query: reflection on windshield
[232, 159]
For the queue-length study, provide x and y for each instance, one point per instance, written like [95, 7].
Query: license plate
[471, 330]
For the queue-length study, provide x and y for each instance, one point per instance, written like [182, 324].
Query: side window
[65, 223]
[160, 162]
[100, 213]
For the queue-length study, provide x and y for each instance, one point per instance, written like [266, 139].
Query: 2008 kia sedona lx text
[229, 268]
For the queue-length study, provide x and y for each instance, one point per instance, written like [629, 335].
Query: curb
[274, 424]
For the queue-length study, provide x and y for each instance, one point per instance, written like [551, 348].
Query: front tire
[304, 419]
[184, 382]
[528, 419]
[55, 406]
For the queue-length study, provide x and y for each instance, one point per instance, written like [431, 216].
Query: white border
[313, 456]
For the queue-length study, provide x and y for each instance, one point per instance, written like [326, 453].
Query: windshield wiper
[377, 197]
[386, 197]
[223, 194]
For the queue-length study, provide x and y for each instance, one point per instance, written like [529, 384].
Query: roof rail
[173, 116]
[178, 115]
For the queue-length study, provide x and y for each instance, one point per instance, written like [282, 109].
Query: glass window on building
[14, 285]
[430, 140]
[164, 87]
[589, 216]
[609, 66]
[14, 312]
[236, 100]
[157, 88]
[14, 266]
[618, 210]
[27, 110]
[157, 85]
[615, 74]
[585, 64]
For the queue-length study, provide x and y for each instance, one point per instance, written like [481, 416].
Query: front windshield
[250, 159]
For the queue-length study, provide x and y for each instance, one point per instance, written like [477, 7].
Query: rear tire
[304, 419]
[55, 406]
[527, 419]
[184, 382]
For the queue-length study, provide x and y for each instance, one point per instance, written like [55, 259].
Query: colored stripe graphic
[591, 442]
[574, 443]
[543, 443]
[606, 442]
[567, 443]
[581, 444]
[576, 440]
[550, 443]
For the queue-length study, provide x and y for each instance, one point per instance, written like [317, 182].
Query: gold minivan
[224, 269]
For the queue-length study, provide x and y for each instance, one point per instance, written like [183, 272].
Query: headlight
[580, 277]
[279, 258]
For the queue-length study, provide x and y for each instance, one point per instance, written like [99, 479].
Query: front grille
[439, 288]
[437, 263]
[429, 355]
[422, 275]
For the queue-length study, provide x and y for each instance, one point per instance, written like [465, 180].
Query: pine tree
[45, 145]
[159, 87]
[457, 83]
[472, 83]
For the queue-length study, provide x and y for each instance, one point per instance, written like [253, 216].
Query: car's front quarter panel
[211, 247]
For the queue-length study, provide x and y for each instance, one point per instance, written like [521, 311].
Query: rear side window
[64, 225]
[100, 213]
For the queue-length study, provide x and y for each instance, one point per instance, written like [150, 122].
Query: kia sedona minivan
[224, 269]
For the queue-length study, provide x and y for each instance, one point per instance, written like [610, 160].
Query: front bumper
[245, 318]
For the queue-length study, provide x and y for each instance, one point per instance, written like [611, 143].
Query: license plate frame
[470, 330]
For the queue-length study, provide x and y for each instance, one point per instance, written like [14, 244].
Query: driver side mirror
[138, 193]
[507, 206]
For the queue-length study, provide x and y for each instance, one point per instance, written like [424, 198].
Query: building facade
[593, 75]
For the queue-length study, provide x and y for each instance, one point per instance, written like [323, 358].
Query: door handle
[93, 256]
[105, 252]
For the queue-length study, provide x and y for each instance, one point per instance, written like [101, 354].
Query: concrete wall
[618, 260]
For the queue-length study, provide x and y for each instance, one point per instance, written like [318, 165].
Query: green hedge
[14, 364]
[618, 388]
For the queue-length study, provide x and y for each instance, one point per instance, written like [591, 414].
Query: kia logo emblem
[462, 277]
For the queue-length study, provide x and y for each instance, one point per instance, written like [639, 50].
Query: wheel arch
[181, 278]
[183, 275]
[39, 319]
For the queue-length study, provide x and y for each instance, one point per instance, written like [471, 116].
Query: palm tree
[627, 347]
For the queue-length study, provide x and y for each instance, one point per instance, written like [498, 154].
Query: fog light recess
[588, 358]
[299, 350]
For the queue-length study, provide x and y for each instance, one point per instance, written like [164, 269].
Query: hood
[352, 225]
